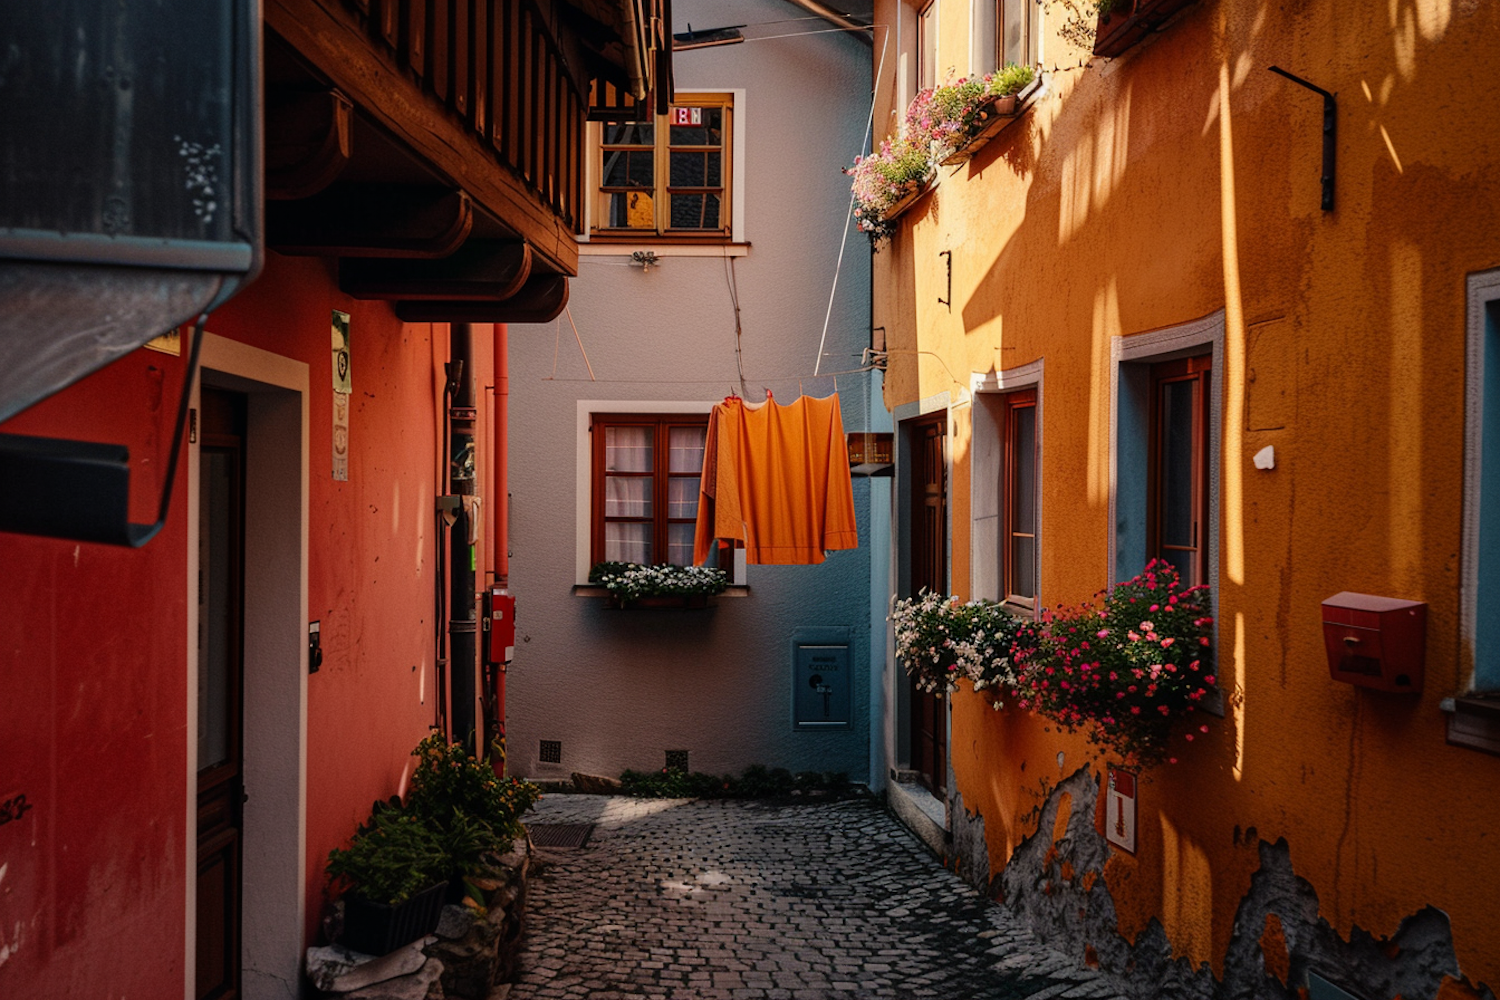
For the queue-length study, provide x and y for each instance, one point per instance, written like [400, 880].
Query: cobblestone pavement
[680, 899]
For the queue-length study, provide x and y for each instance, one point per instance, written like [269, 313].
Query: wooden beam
[371, 220]
[308, 142]
[541, 301]
[331, 39]
[481, 270]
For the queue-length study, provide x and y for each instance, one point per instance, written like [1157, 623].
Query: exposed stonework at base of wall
[1056, 884]
[971, 853]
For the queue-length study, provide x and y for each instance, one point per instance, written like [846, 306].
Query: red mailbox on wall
[1375, 642]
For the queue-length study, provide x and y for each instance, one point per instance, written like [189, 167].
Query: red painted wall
[92, 645]
[93, 714]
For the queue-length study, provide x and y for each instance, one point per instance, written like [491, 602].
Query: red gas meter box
[1376, 642]
[500, 624]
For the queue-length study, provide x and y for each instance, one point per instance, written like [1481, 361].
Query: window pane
[680, 544]
[1023, 567]
[695, 169]
[629, 134]
[695, 211]
[1014, 41]
[628, 449]
[1024, 499]
[627, 497]
[697, 126]
[1177, 463]
[632, 210]
[629, 168]
[686, 448]
[626, 542]
[682, 496]
[1186, 563]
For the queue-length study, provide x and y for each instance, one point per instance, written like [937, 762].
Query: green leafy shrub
[757, 782]
[392, 857]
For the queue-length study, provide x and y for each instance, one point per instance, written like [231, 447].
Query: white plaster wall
[618, 688]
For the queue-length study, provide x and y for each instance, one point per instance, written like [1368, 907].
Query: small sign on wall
[687, 116]
[1119, 817]
[342, 385]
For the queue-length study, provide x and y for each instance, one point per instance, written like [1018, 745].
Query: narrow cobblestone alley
[679, 899]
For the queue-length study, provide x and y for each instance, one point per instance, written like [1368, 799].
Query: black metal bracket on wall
[949, 300]
[1330, 131]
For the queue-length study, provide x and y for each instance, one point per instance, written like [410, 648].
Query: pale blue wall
[618, 688]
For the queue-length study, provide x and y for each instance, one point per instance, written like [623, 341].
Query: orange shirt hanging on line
[776, 482]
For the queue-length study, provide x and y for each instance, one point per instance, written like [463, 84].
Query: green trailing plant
[1011, 80]
[628, 582]
[391, 858]
[756, 782]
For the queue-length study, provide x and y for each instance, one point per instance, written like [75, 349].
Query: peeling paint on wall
[1055, 881]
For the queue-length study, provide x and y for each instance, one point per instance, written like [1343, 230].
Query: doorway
[221, 662]
[929, 570]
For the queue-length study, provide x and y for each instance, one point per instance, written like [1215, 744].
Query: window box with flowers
[1124, 23]
[1125, 671]
[941, 642]
[631, 585]
[1003, 97]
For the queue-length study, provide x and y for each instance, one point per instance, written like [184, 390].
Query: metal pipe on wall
[462, 622]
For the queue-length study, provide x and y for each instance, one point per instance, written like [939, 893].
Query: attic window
[709, 36]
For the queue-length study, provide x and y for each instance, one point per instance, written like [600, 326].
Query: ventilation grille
[677, 760]
[560, 834]
[551, 752]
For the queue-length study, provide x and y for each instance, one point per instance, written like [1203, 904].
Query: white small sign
[687, 116]
[1119, 820]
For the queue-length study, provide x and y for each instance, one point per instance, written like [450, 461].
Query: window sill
[624, 246]
[589, 590]
[1474, 722]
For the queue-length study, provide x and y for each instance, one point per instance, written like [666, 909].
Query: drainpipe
[462, 623]
[499, 536]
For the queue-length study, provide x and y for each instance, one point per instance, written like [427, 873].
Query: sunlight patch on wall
[1233, 512]
[1405, 472]
[1094, 168]
[1101, 391]
[1186, 894]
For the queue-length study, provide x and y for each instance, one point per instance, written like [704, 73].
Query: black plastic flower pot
[379, 928]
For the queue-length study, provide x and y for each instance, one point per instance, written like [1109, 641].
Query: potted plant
[631, 584]
[941, 641]
[411, 857]
[1125, 670]
[395, 873]
[1006, 85]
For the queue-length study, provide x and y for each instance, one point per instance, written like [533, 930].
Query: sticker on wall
[341, 381]
[1119, 819]
[167, 343]
[341, 437]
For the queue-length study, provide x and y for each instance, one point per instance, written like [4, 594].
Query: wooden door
[929, 570]
[221, 534]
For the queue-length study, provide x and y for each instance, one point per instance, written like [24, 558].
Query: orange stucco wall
[93, 665]
[1159, 188]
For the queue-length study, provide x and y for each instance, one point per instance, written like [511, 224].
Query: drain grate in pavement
[560, 834]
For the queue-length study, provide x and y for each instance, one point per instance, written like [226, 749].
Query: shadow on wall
[1055, 882]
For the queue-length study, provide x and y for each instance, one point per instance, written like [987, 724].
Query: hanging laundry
[776, 482]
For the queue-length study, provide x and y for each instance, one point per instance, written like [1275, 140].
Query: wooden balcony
[412, 128]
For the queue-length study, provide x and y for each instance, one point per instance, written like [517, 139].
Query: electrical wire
[849, 213]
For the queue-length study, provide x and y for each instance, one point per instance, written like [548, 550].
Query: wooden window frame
[662, 191]
[1197, 370]
[1010, 484]
[927, 45]
[661, 465]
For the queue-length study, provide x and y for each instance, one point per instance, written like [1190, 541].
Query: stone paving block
[689, 900]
